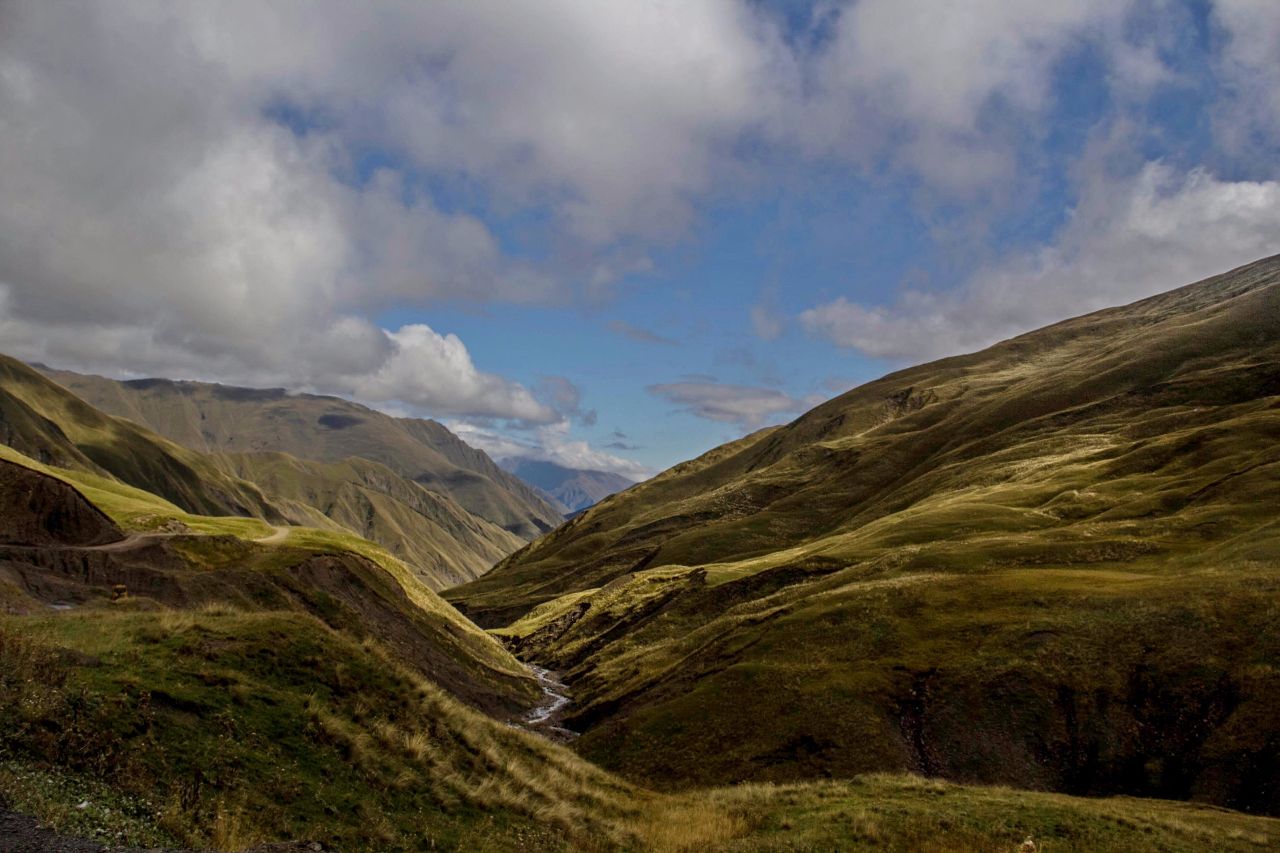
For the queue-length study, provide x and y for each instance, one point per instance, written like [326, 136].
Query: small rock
[84, 804]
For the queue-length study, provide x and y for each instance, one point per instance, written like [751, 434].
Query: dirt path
[279, 535]
[131, 540]
[22, 834]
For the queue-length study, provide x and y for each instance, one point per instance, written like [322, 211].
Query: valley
[739, 426]
[1028, 593]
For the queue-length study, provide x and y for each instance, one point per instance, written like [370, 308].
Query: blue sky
[613, 235]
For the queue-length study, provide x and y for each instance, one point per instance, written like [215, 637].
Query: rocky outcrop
[36, 509]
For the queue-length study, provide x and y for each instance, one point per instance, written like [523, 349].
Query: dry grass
[687, 826]
[408, 766]
[232, 829]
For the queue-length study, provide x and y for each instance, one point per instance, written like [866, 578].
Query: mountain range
[210, 418]
[408, 484]
[571, 489]
[1025, 593]
[1049, 564]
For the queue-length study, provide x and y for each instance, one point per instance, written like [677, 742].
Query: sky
[612, 235]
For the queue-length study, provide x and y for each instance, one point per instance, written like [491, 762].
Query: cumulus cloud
[1127, 239]
[744, 405]
[550, 443]
[435, 372]
[194, 193]
[614, 109]
[196, 173]
[188, 197]
[947, 100]
[154, 220]
[1249, 65]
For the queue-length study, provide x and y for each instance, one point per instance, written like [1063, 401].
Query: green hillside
[174, 679]
[212, 418]
[1050, 564]
[42, 420]
[444, 543]
[166, 557]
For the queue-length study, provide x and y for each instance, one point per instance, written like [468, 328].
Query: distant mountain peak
[573, 489]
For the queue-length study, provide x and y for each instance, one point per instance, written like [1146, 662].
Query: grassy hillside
[211, 418]
[1050, 564]
[445, 544]
[225, 728]
[257, 685]
[168, 558]
[42, 420]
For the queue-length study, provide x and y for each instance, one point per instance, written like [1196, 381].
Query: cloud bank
[238, 191]
[746, 406]
[1125, 241]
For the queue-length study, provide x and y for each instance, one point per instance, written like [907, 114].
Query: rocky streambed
[546, 717]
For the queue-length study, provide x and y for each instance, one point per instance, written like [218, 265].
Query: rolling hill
[1050, 564]
[428, 530]
[170, 679]
[573, 489]
[442, 542]
[209, 418]
[44, 421]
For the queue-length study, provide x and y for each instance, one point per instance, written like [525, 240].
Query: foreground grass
[908, 813]
[247, 727]
[222, 728]
[230, 542]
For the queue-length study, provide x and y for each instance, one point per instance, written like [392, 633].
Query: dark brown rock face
[36, 509]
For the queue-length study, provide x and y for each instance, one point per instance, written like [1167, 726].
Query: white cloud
[747, 406]
[435, 372]
[184, 186]
[929, 86]
[1249, 63]
[613, 111]
[1126, 239]
[550, 443]
[153, 220]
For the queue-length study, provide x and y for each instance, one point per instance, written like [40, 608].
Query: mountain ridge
[332, 677]
[573, 489]
[443, 542]
[915, 559]
[209, 417]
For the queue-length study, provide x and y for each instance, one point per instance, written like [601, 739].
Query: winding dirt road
[275, 538]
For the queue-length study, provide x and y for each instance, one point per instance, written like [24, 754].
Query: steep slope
[572, 488]
[41, 419]
[444, 543]
[202, 682]
[212, 418]
[1049, 564]
[58, 547]
[441, 541]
